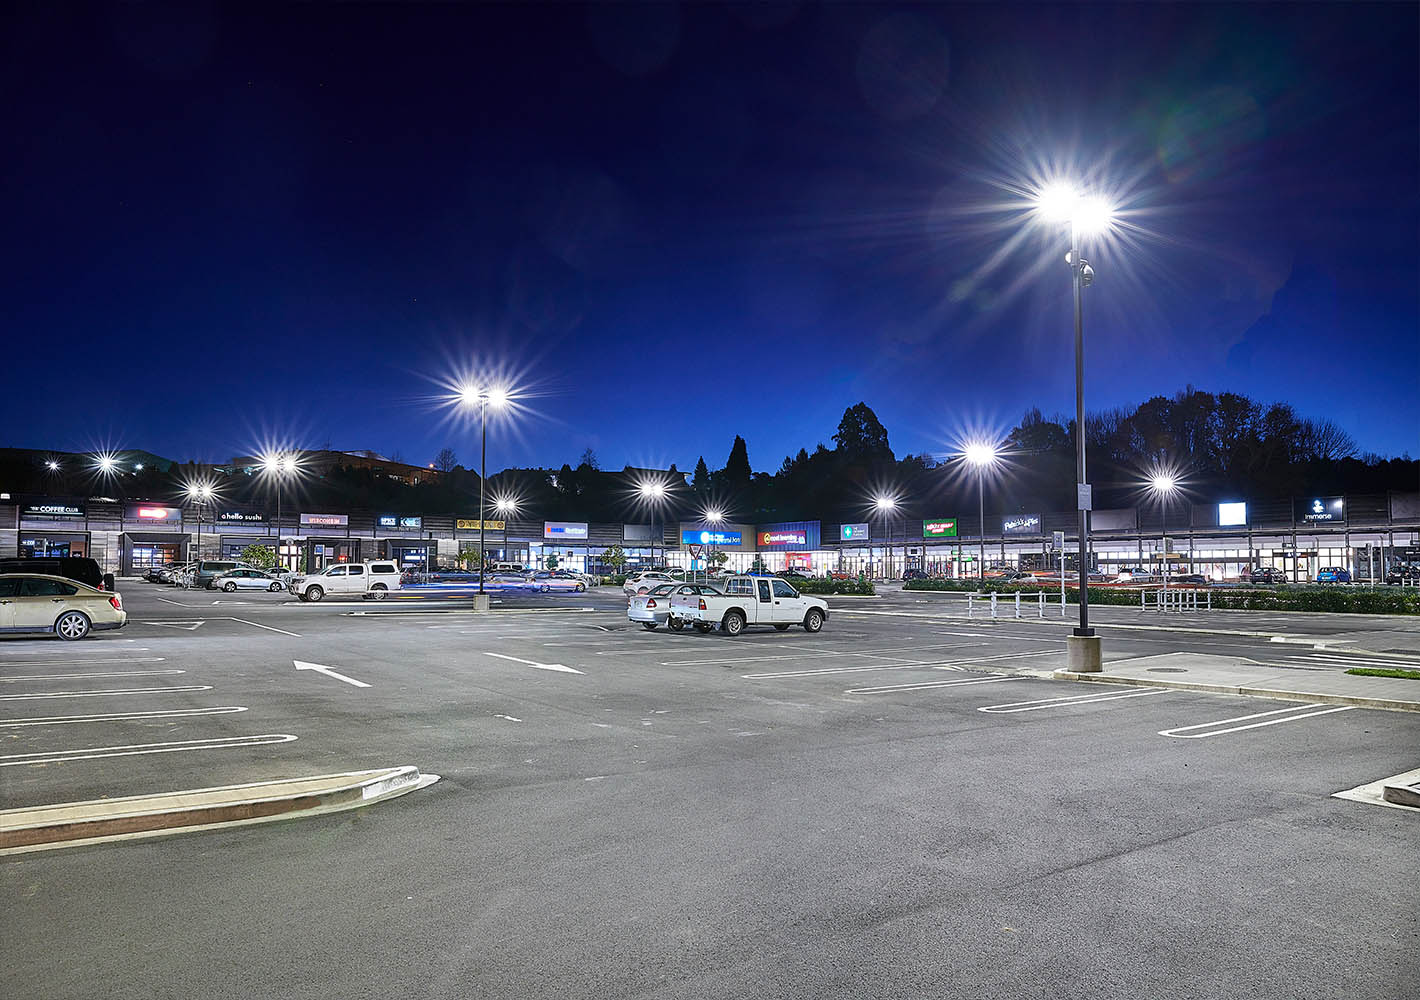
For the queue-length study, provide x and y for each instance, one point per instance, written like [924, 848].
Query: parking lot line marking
[1177, 732]
[180, 604]
[1352, 661]
[70, 663]
[930, 685]
[34, 652]
[140, 749]
[1066, 702]
[824, 653]
[823, 671]
[959, 664]
[101, 694]
[269, 628]
[109, 673]
[540, 666]
[188, 625]
[64, 720]
[508, 717]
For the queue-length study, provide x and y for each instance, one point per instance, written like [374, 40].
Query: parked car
[1015, 576]
[204, 572]
[1403, 575]
[1266, 575]
[653, 609]
[372, 580]
[1333, 574]
[546, 581]
[243, 578]
[750, 600]
[32, 602]
[915, 574]
[1189, 580]
[792, 574]
[80, 568]
[641, 583]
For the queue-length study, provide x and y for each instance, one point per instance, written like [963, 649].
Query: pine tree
[737, 470]
[700, 482]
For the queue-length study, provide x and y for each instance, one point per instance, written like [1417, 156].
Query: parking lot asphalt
[627, 813]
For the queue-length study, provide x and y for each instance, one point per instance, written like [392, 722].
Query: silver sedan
[653, 608]
[247, 579]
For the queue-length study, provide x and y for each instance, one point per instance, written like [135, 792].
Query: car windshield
[660, 591]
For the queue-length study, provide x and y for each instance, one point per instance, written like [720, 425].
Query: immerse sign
[153, 512]
[400, 521]
[697, 536]
[1321, 510]
[942, 527]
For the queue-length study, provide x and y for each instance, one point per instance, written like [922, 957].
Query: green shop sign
[940, 528]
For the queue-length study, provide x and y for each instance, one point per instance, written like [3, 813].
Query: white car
[372, 580]
[750, 600]
[247, 579]
[653, 608]
[641, 583]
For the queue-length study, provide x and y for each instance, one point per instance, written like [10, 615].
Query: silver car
[247, 579]
[653, 608]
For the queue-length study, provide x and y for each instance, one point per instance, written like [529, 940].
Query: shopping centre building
[1299, 536]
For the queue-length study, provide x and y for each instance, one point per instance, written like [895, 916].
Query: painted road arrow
[539, 666]
[329, 672]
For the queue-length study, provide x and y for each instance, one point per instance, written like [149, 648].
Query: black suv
[1267, 575]
[79, 568]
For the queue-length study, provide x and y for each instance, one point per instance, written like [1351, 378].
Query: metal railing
[1176, 599]
[997, 608]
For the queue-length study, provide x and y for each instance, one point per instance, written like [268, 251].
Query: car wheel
[581, 587]
[314, 594]
[543, 589]
[379, 592]
[813, 621]
[275, 588]
[733, 624]
[649, 626]
[675, 624]
[72, 625]
[781, 628]
[229, 588]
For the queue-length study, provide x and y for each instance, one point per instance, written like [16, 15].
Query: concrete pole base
[480, 602]
[1084, 655]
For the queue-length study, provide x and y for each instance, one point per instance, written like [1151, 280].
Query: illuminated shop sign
[1320, 510]
[1021, 524]
[401, 522]
[943, 527]
[564, 529]
[473, 524]
[853, 533]
[694, 536]
[1231, 514]
[326, 520]
[240, 517]
[51, 509]
[797, 537]
[152, 512]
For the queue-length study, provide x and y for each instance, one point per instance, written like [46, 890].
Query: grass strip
[1409, 675]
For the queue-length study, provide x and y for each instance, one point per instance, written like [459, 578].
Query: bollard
[968, 604]
[1018, 604]
[993, 605]
[1041, 600]
[1210, 600]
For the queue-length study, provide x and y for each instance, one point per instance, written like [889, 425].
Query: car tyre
[649, 626]
[275, 588]
[72, 626]
[379, 592]
[229, 588]
[675, 624]
[314, 594]
[581, 587]
[813, 621]
[733, 624]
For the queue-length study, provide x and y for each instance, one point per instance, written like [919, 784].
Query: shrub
[1322, 599]
[826, 585]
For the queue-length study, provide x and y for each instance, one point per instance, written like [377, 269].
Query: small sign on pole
[695, 550]
[1084, 496]
[1057, 539]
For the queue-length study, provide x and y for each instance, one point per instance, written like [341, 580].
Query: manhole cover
[1166, 670]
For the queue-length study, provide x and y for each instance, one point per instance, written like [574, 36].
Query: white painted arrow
[190, 626]
[329, 672]
[538, 666]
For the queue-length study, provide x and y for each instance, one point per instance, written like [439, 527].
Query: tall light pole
[983, 456]
[1065, 203]
[199, 494]
[484, 398]
[653, 493]
[1163, 486]
[885, 505]
[714, 517]
[278, 466]
[506, 508]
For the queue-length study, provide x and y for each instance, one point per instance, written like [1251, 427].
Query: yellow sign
[471, 524]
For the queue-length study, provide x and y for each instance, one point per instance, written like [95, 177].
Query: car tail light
[702, 604]
[650, 602]
[117, 602]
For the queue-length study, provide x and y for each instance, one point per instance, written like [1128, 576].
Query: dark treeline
[1223, 446]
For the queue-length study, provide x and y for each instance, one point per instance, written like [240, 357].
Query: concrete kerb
[1279, 694]
[71, 824]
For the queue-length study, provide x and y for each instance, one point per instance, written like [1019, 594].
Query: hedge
[1324, 599]
[825, 585]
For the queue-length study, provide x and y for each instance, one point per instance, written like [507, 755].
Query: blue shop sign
[695, 536]
[396, 521]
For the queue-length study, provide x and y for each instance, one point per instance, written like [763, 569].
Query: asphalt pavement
[878, 810]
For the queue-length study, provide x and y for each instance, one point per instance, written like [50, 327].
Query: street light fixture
[506, 507]
[982, 456]
[885, 504]
[199, 494]
[483, 397]
[1086, 214]
[278, 466]
[653, 493]
[1163, 485]
[715, 517]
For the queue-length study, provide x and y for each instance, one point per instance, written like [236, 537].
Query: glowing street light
[483, 397]
[884, 504]
[506, 507]
[200, 494]
[982, 456]
[278, 467]
[654, 493]
[52, 465]
[1163, 484]
[1087, 214]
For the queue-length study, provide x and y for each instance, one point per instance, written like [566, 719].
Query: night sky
[232, 227]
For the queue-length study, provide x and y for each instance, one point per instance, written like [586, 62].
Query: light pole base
[1084, 654]
[480, 602]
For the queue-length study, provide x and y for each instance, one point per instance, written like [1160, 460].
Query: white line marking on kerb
[104, 694]
[930, 685]
[329, 672]
[1066, 702]
[110, 673]
[64, 720]
[1177, 733]
[539, 666]
[139, 749]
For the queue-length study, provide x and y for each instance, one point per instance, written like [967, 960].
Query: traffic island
[1084, 654]
[70, 824]
[480, 602]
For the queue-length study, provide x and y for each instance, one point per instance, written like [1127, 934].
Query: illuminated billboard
[942, 527]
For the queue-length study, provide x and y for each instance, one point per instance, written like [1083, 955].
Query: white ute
[750, 600]
[368, 579]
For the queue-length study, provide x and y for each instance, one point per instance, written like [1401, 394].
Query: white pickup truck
[371, 580]
[750, 600]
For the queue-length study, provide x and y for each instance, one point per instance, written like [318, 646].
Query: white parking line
[110, 673]
[929, 685]
[825, 653]
[139, 749]
[269, 628]
[912, 665]
[1069, 701]
[1177, 732]
[70, 663]
[101, 694]
[32, 652]
[64, 720]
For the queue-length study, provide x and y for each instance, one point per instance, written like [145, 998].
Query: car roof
[51, 576]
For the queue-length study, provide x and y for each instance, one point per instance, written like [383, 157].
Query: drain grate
[1166, 670]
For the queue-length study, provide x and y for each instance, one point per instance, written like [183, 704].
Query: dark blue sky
[230, 226]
